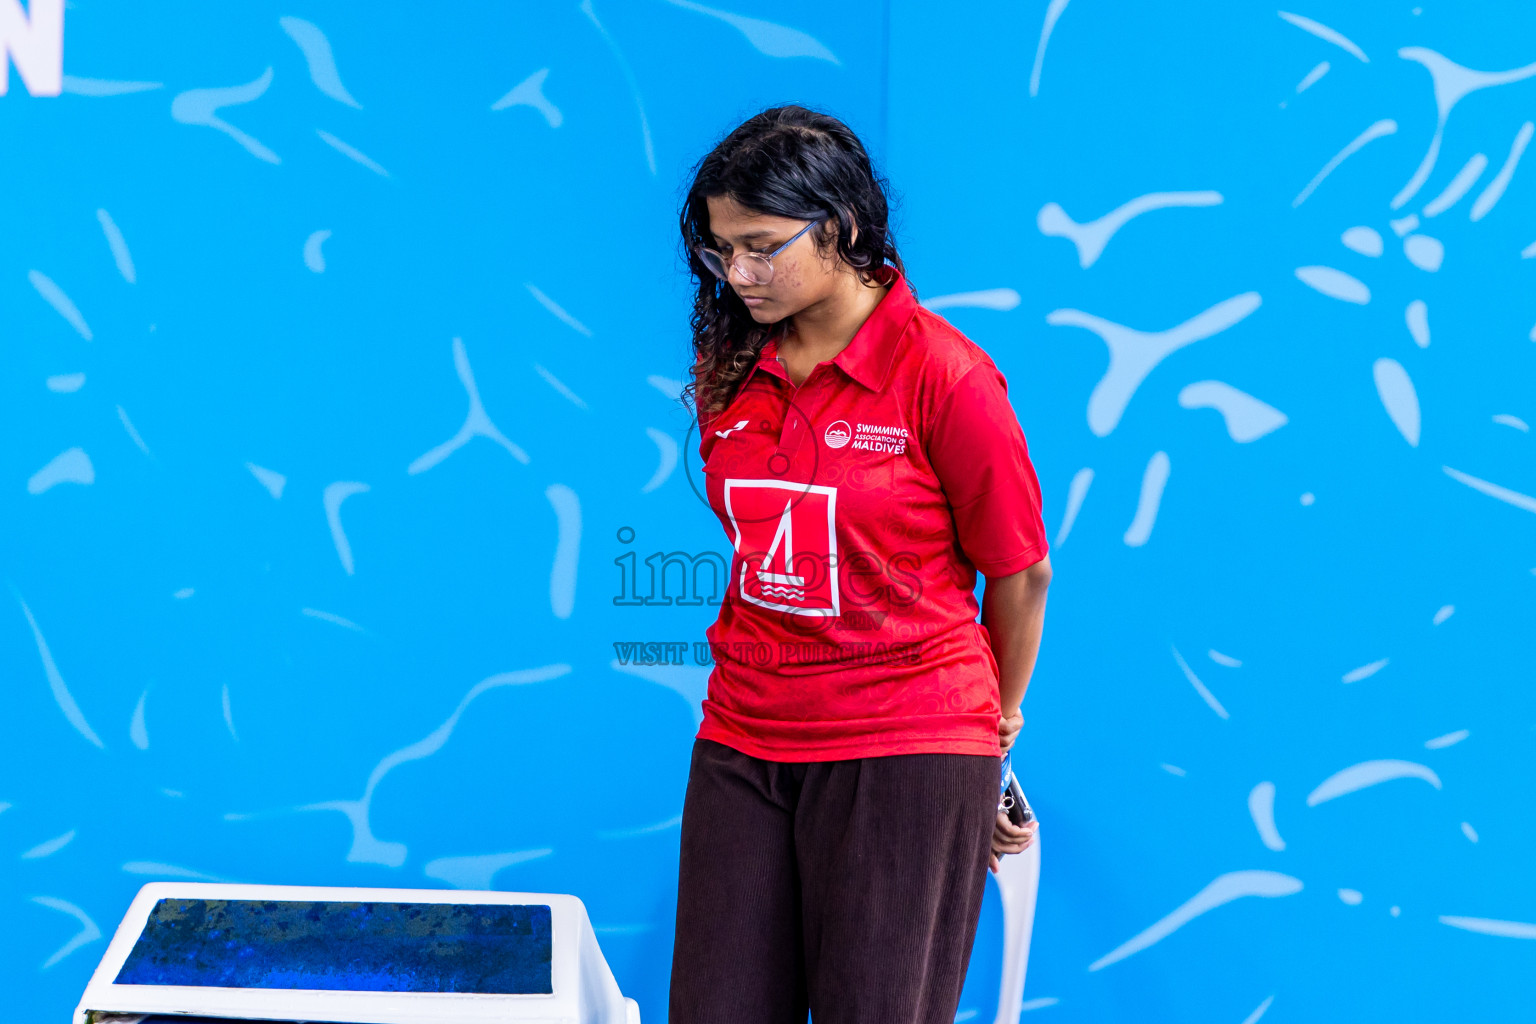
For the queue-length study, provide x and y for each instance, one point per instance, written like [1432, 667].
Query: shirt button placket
[793, 433]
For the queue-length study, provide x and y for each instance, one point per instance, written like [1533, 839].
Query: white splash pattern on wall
[317, 54]
[1091, 238]
[476, 422]
[1134, 354]
[1222, 890]
[201, 106]
[530, 93]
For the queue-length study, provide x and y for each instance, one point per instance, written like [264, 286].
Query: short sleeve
[976, 448]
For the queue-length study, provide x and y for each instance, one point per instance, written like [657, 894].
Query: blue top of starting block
[344, 946]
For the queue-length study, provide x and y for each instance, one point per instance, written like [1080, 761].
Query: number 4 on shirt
[786, 534]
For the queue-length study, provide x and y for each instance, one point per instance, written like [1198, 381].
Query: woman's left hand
[1008, 727]
[1010, 838]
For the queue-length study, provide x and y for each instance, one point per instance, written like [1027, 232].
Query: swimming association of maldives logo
[867, 437]
[785, 537]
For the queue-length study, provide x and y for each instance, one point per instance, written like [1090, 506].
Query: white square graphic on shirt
[789, 531]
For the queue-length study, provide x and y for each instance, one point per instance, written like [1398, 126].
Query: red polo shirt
[860, 507]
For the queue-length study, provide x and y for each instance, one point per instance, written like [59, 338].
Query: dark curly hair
[788, 162]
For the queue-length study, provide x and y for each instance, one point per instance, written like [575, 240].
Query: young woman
[842, 802]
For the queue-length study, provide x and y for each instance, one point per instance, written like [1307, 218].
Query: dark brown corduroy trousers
[847, 888]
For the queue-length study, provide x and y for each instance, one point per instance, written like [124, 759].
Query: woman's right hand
[1010, 838]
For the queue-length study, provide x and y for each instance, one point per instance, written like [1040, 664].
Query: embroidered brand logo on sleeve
[786, 537]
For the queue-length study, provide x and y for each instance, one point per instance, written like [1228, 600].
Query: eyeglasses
[754, 267]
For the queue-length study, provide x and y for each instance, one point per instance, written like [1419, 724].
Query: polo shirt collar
[867, 357]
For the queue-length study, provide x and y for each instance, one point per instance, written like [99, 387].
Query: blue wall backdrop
[337, 376]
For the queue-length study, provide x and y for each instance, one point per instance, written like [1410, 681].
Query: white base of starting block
[240, 952]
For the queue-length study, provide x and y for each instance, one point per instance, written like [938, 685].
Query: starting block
[214, 952]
